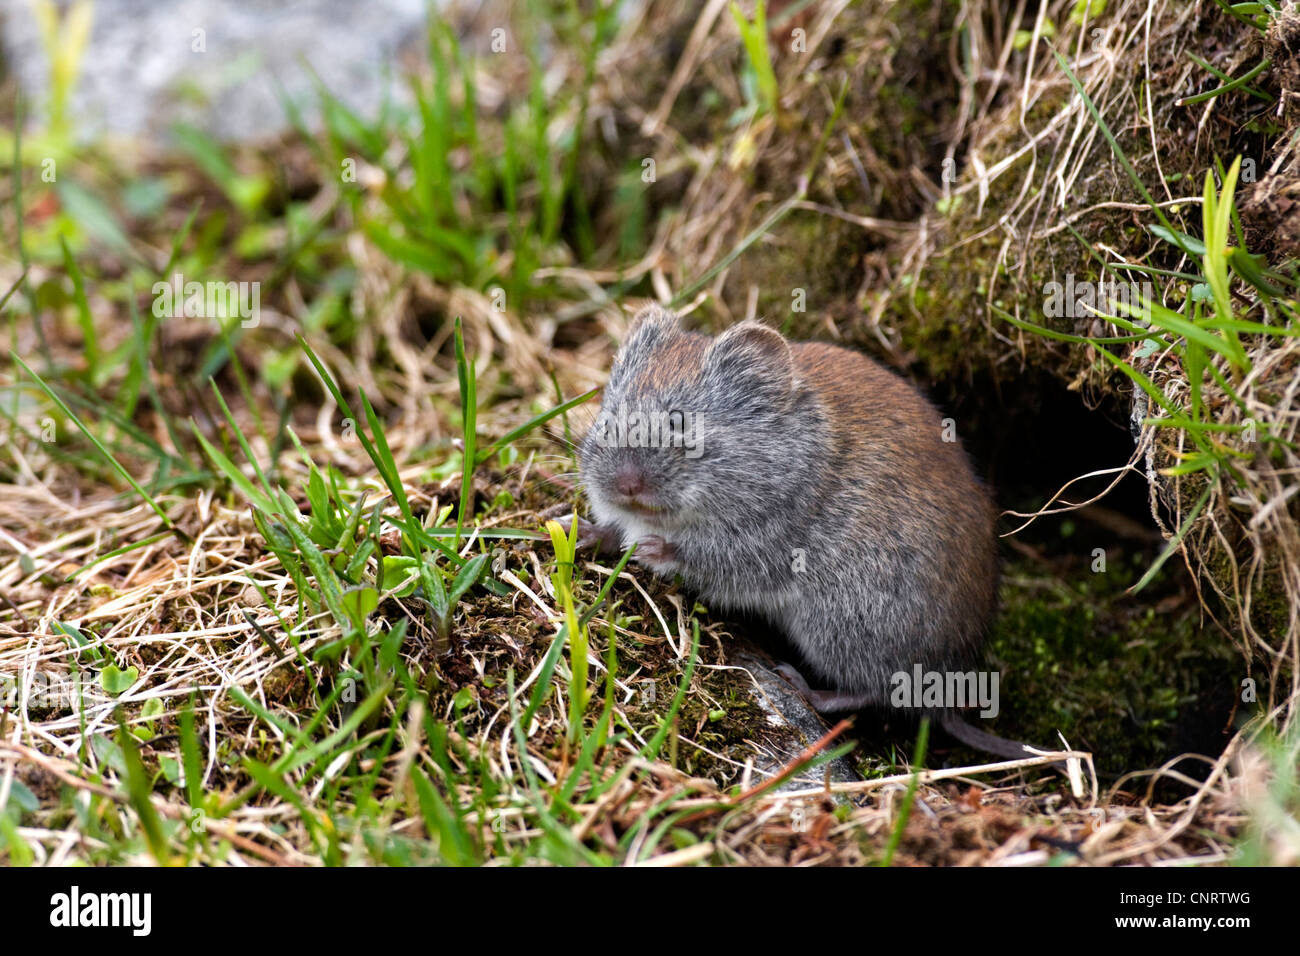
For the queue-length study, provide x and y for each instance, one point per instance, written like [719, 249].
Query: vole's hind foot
[793, 676]
[823, 701]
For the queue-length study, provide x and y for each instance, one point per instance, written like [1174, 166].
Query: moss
[723, 720]
[1117, 676]
[1270, 610]
[898, 106]
[811, 261]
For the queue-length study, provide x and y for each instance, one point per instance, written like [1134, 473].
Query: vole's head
[690, 427]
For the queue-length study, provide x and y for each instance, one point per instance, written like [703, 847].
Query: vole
[803, 482]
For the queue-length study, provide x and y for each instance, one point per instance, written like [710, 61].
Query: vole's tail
[985, 741]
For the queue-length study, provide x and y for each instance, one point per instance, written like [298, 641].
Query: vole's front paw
[604, 538]
[657, 554]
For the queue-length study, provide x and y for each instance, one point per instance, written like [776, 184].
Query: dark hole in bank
[1029, 437]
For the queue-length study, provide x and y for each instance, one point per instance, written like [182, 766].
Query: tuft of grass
[451, 221]
[1207, 345]
[1272, 799]
[909, 798]
[754, 37]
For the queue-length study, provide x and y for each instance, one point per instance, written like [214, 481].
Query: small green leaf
[467, 578]
[392, 643]
[117, 681]
[464, 697]
[171, 768]
[152, 710]
[359, 602]
[21, 801]
[404, 569]
[78, 640]
[1088, 10]
[108, 752]
[1189, 244]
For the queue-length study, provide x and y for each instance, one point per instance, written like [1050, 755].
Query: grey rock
[798, 726]
[223, 65]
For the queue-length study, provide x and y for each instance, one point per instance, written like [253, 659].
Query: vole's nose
[629, 480]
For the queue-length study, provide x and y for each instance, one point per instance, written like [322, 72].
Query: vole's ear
[653, 315]
[653, 323]
[753, 351]
[649, 328]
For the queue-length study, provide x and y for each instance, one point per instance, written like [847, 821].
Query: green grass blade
[909, 799]
[89, 338]
[126, 475]
[469, 430]
[259, 498]
[191, 756]
[515, 434]
[651, 750]
[1176, 540]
